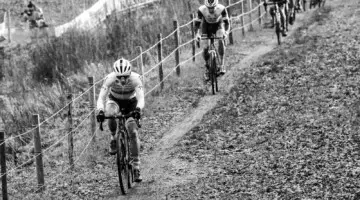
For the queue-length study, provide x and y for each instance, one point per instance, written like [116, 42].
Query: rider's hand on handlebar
[226, 34]
[100, 117]
[198, 36]
[136, 113]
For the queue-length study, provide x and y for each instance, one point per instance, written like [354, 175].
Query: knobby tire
[212, 71]
[122, 165]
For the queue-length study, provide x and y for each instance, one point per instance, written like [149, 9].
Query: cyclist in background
[122, 91]
[282, 6]
[34, 15]
[213, 19]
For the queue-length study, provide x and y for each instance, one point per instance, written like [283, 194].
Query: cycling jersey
[132, 89]
[220, 14]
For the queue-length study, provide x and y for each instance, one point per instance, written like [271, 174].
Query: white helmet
[211, 3]
[122, 67]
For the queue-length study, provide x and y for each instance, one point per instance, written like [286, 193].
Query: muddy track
[160, 172]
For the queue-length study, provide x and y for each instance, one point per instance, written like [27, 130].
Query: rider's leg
[286, 14]
[220, 33]
[206, 59]
[272, 13]
[283, 19]
[134, 141]
[206, 29]
[111, 109]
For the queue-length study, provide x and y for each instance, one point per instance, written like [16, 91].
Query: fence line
[168, 56]
[248, 24]
[248, 12]
[47, 149]
[61, 109]
[61, 173]
[235, 3]
[158, 42]
[157, 85]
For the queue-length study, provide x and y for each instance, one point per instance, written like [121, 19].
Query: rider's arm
[225, 18]
[102, 95]
[140, 96]
[198, 21]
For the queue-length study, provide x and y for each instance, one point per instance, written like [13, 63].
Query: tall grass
[39, 75]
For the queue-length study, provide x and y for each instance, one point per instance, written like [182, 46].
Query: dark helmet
[30, 5]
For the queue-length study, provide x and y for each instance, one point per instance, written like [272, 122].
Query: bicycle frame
[214, 59]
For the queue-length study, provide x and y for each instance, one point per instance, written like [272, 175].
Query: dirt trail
[160, 172]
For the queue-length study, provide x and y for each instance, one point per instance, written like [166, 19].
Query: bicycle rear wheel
[122, 165]
[212, 70]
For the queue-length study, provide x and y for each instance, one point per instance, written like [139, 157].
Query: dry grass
[70, 58]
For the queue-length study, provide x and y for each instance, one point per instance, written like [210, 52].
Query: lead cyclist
[122, 91]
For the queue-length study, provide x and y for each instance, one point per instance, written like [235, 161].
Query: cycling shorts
[125, 106]
[216, 28]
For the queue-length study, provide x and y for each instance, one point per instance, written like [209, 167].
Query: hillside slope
[289, 128]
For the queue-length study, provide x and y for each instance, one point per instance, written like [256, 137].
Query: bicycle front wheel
[212, 71]
[122, 166]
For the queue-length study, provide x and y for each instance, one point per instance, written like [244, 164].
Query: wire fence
[91, 112]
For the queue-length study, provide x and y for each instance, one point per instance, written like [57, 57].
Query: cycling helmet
[122, 67]
[211, 3]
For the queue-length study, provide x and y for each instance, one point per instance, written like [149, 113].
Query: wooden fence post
[92, 107]
[231, 38]
[140, 65]
[193, 44]
[242, 19]
[177, 43]
[250, 15]
[38, 153]
[70, 136]
[3, 165]
[259, 11]
[161, 73]
[9, 27]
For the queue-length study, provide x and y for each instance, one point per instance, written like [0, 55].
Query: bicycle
[213, 61]
[276, 19]
[123, 158]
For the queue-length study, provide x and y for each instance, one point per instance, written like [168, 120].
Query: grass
[288, 129]
[179, 95]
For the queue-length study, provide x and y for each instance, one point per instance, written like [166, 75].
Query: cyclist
[214, 19]
[35, 16]
[282, 6]
[122, 91]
